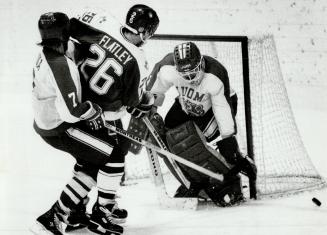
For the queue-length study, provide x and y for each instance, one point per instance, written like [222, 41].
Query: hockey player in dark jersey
[204, 109]
[112, 67]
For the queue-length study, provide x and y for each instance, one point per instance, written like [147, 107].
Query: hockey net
[266, 127]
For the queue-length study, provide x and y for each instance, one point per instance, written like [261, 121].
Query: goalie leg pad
[188, 142]
[159, 125]
[139, 129]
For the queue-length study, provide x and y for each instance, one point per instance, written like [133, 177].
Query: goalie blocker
[188, 142]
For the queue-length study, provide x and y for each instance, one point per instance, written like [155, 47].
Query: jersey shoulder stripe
[65, 82]
[214, 67]
[167, 60]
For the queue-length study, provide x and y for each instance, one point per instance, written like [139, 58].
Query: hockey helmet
[54, 27]
[189, 62]
[141, 19]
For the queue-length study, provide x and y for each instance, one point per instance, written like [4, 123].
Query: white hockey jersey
[213, 92]
[56, 93]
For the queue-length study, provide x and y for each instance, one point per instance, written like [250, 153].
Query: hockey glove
[247, 167]
[94, 117]
[228, 147]
[144, 107]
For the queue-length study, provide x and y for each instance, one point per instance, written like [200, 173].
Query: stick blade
[178, 203]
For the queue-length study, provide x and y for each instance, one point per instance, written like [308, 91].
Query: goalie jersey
[111, 67]
[196, 100]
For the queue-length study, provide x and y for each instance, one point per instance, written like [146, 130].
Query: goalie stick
[162, 145]
[164, 199]
[147, 144]
[136, 126]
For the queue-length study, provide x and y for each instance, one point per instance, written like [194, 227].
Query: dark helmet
[54, 27]
[188, 60]
[141, 19]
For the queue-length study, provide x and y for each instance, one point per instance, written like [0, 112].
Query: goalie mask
[142, 20]
[189, 62]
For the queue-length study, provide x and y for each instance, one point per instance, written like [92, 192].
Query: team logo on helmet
[47, 18]
[131, 20]
[54, 26]
[186, 67]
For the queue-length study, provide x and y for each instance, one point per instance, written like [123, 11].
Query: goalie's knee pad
[188, 142]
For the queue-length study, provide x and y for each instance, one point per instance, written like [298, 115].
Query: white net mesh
[283, 163]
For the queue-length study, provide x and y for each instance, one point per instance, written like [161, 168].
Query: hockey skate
[78, 218]
[104, 219]
[49, 222]
[227, 194]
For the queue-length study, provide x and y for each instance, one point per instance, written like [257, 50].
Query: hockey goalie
[203, 112]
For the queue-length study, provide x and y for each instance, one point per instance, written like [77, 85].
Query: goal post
[267, 131]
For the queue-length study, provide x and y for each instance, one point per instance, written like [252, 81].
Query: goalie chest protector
[188, 142]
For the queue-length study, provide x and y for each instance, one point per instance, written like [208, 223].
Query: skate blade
[71, 228]
[39, 229]
[118, 221]
[97, 228]
[178, 203]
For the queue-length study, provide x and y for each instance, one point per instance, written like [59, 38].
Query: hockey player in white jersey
[62, 120]
[204, 110]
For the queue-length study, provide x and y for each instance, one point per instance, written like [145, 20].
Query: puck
[316, 201]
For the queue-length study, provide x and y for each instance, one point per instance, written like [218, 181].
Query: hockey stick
[147, 144]
[162, 145]
[164, 199]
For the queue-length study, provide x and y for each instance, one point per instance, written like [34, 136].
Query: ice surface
[32, 174]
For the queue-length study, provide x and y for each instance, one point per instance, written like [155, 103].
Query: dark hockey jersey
[112, 67]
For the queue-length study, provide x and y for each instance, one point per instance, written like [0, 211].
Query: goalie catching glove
[228, 147]
[144, 107]
[94, 117]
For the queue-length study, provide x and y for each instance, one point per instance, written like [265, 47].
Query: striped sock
[108, 181]
[76, 189]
